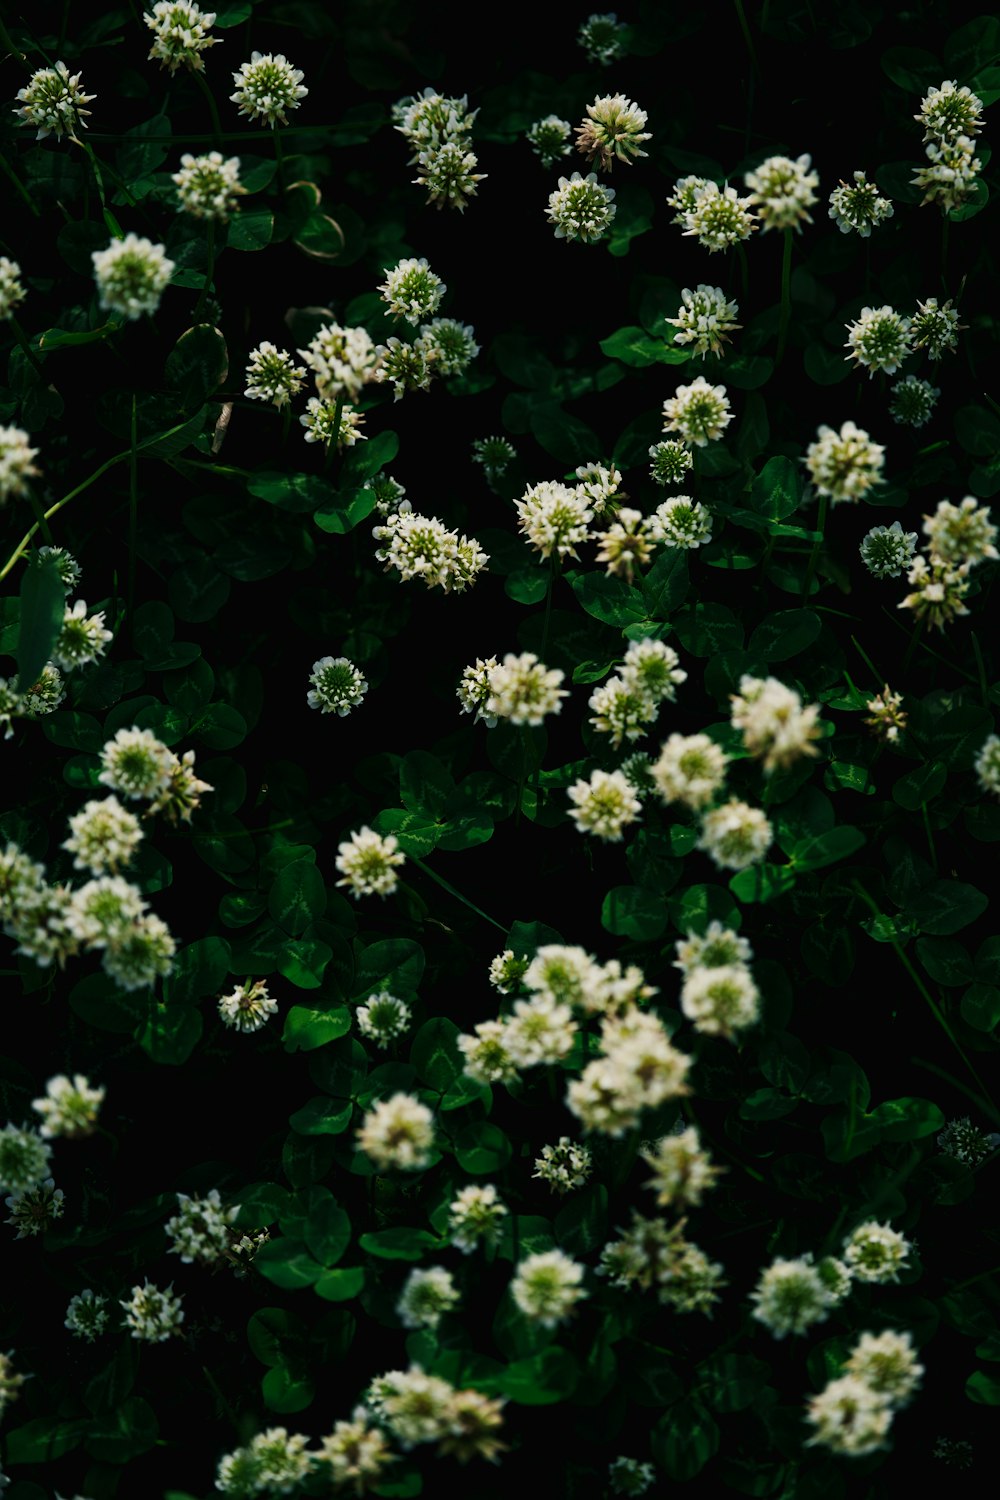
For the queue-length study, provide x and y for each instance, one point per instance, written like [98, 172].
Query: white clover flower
[913, 401]
[938, 591]
[777, 729]
[474, 1217]
[389, 494]
[627, 544]
[407, 367]
[87, 1315]
[21, 881]
[539, 1031]
[180, 34]
[670, 462]
[961, 534]
[10, 705]
[950, 180]
[417, 1408]
[136, 764]
[103, 836]
[858, 206]
[383, 1018]
[337, 686]
[248, 1007]
[612, 129]
[879, 339]
[949, 112]
[960, 1138]
[140, 953]
[523, 689]
[783, 190]
[82, 639]
[849, 1417]
[886, 715]
[735, 835]
[495, 454]
[648, 1068]
[321, 424]
[717, 217]
[426, 1296]
[431, 119]
[275, 1461]
[567, 975]
[271, 375]
[887, 1363]
[682, 1170]
[200, 1228]
[209, 187]
[876, 1252]
[355, 1451]
[624, 712]
[714, 949]
[690, 769]
[368, 863]
[550, 139]
[791, 1296]
[10, 1386]
[721, 1001]
[987, 767]
[69, 1108]
[608, 1096]
[103, 910]
[411, 290]
[11, 291]
[152, 1314]
[451, 345]
[564, 1166]
[581, 208]
[705, 319]
[16, 467]
[448, 173]
[547, 1287]
[474, 689]
[423, 547]
[183, 793]
[684, 195]
[554, 518]
[341, 359]
[681, 522]
[131, 275]
[485, 1052]
[507, 971]
[602, 38]
[37, 919]
[52, 100]
[397, 1133]
[604, 805]
[652, 1254]
[700, 412]
[24, 1158]
[67, 567]
[601, 486]
[267, 87]
[34, 1211]
[844, 464]
[475, 1420]
[44, 696]
[627, 1476]
[888, 551]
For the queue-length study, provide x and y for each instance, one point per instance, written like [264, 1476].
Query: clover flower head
[474, 689]
[628, 1476]
[200, 1228]
[681, 522]
[547, 1286]
[408, 367]
[719, 218]
[612, 129]
[66, 565]
[267, 87]
[368, 863]
[777, 728]
[52, 102]
[431, 119]
[539, 1031]
[935, 327]
[987, 765]
[83, 638]
[960, 1138]
[248, 1007]
[602, 37]
[180, 34]
[69, 1107]
[938, 591]
[735, 835]
[844, 464]
[139, 953]
[411, 290]
[272, 376]
[44, 695]
[951, 178]
[887, 1363]
[321, 425]
[626, 544]
[948, 112]
[11, 290]
[383, 1018]
[566, 975]
[550, 139]
[699, 411]
[705, 319]
[622, 711]
[485, 1052]
[35, 1210]
[16, 467]
[495, 454]
[131, 275]
[858, 206]
[682, 1170]
[604, 805]
[876, 1252]
[342, 360]
[152, 1314]
[671, 461]
[653, 668]
[389, 493]
[888, 551]
[451, 344]
[913, 401]
[103, 910]
[448, 173]
[397, 1133]
[474, 1217]
[684, 196]
[554, 518]
[690, 770]
[423, 547]
[652, 1253]
[356, 1452]
[783, 189]
[712, 949]
[791, 1296]
[136, 764]
[428, 1294]
[961, 533]
[524, 690]
[24, 1158]
[601, 486]
[87, 1315]
[721, 1001]
[849, 1417]
[416, 1408]
[11, 1382]
[564, 1166]
[506, 971]
[581, 208]
[208, 187]
[879, 339]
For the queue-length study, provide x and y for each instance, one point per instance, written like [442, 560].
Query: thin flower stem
[279, 156]
[985, 1105]
[22, 339]
[914, 643]
[984, 687]
[786, 294]
[747, 37]
[133, 506]
[824, 501]
[201, 81]
[928, 830]
[553, 572]
[42, 523]
[873, 669]
[447, 886]
[741, 256]
[209, 272]
[929, 649]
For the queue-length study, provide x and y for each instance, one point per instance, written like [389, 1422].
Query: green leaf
[826, 366]
[707, 629]
[399, 1244]
[826, 848]
[683, 1441]
[43, 607]
[250, 228]
[922, 785]
[634, 346]
[981, 1387]
[666, 584]
[848, 1134]
[766, 1104]
[698, 906]
[947, 962]
[416, 833]
[981, 1006]
[173, 440]
[320, 1116]
[527, 585]
[199, 969]
[129, 1430]
[344, 510]
[197, 365]
[972, 47]
[198, 591]
[366, 459]
[583, 1223]
[988, 961]
[307, 1028]
[946, 906]
[42, 1440]
[99, 1002]
[170, 1033]
[287, 1263]
[542, 1379]
[297, 493]
[784, 634]
[435, 1054]
[392, 964]
[762, 882]
[481, 1147]
[907, 1119]
[328, 1232]
[285, 1391]
[629, 911]
[260, 1204]
[303, 962]
[298, 896]
[777, 489]
[609, 598]
[732, 1382]
[914, 69]
[560, 433]
[425, 785]
[340, 1285]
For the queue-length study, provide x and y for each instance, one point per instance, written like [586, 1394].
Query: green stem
[786, 295]
[447, 886]
[553, 574]
[918, 631]
[945, 227]
[286, 423]
[279, 156]
[928, 830]
[824, 501]
[12, 176]
[200, 80]
[748, 39]
[22, 339]
[985, 1105]
[209, 272]
[953, 665]
[133, 506]
[216, 1390]
[41, 522]
[984, 687]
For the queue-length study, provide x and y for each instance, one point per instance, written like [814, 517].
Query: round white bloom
[681, 522]
[474, 689]
[431, 119]
[791, 1296]
[948, 112]
[271, 376]
[450, 345]
[34, 1211]
[671, 461]
[777, 729]
[887, 1363]
[700, 412]
[602, 38]
[849, 1417]
[960, 1138]
[151, 1314]
[417, 1408]
[140, 953]
[24, 1158]
[961, 533]
[423, 547]
[613, 129]
[716, 948]
[474, 1217]
[341, 359]
[601, 486]
[16, 467]
[321, 425]
[783, 191]
[690, 769]
[82, 639]
[549, 139]
[721, 1001]
[69, 1108]
[581, 208]
[913, 401]
[735, 835]
[718, 217]
[408, 367]
[523, 689]
[398, 1133]
[248, 1007]
[209, 187]
[705, 319]
[67, 567]
[355, 1451]
[44, 696]
[888, 551]
[485, 1051]
[103, 910]
[547, 1287]
[275, 1461]
[103, 836]
[876, 1252]
[11, 290]
[200, 1228]
[627, 544]
[567, 975]
[506, 971]
[87, 1315]
[495, 454]
[412, 290]
[383, 1018]
[426, 1295]
[951, 178]
[554, 518]
[987, 765]
[539, 1031]
[267, 87]
[879, 338]
[180, 34]
[131, 275]
[621, 711]
[136, 764]
[652, 667]
[858, 205]
[627, 1476]
[564, 1166]
[448, 173]
[337, 686]
[368, 863]
[844, 464]
[682, 1171]
[938, 591]
[53, 101]
[604, 805]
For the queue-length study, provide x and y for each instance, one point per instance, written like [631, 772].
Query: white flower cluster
[952, 117]
[705, 318]
[629, 701]
[550, 139]
[547, 1287]
[581, 208]
[845, 464]
[383, 1018]
[718, 995]
[792, 1295]
[717, 217]
[859, 206]
[523, 689]
[652, 1253]
[602, 38]
[368, 863]
[248, 1007]
[273, 1462]
[12, 291]
[612, 130]
[398, 1133]
[959, 537]
[554, 517]
[16, 467]
[180, 34]
[34, 1210]
[887, 551]
[886, 715]
[131, 275]
[418, 1408]
[411, 290]
[783, 191]
[699, 411]
[52, 102]
[141, 768]
[638, 1068]
[565, 1166]
[879, 339]
[342, 360]
[682, 1170]
[271, 375]
[323, 424]
[913, 401]
[103, 836]
[208, 187]
[438, 130]
[199, 1230]
[87, 1315]
[777, 729]
[604, 804]
[428, 1294]
[474, 1217]
[267, 87]
[11, 1382]
[337, 686]
[24, 1158]
[423, 547]
[69, 1107]
[152, 1314]
[853, 1414]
